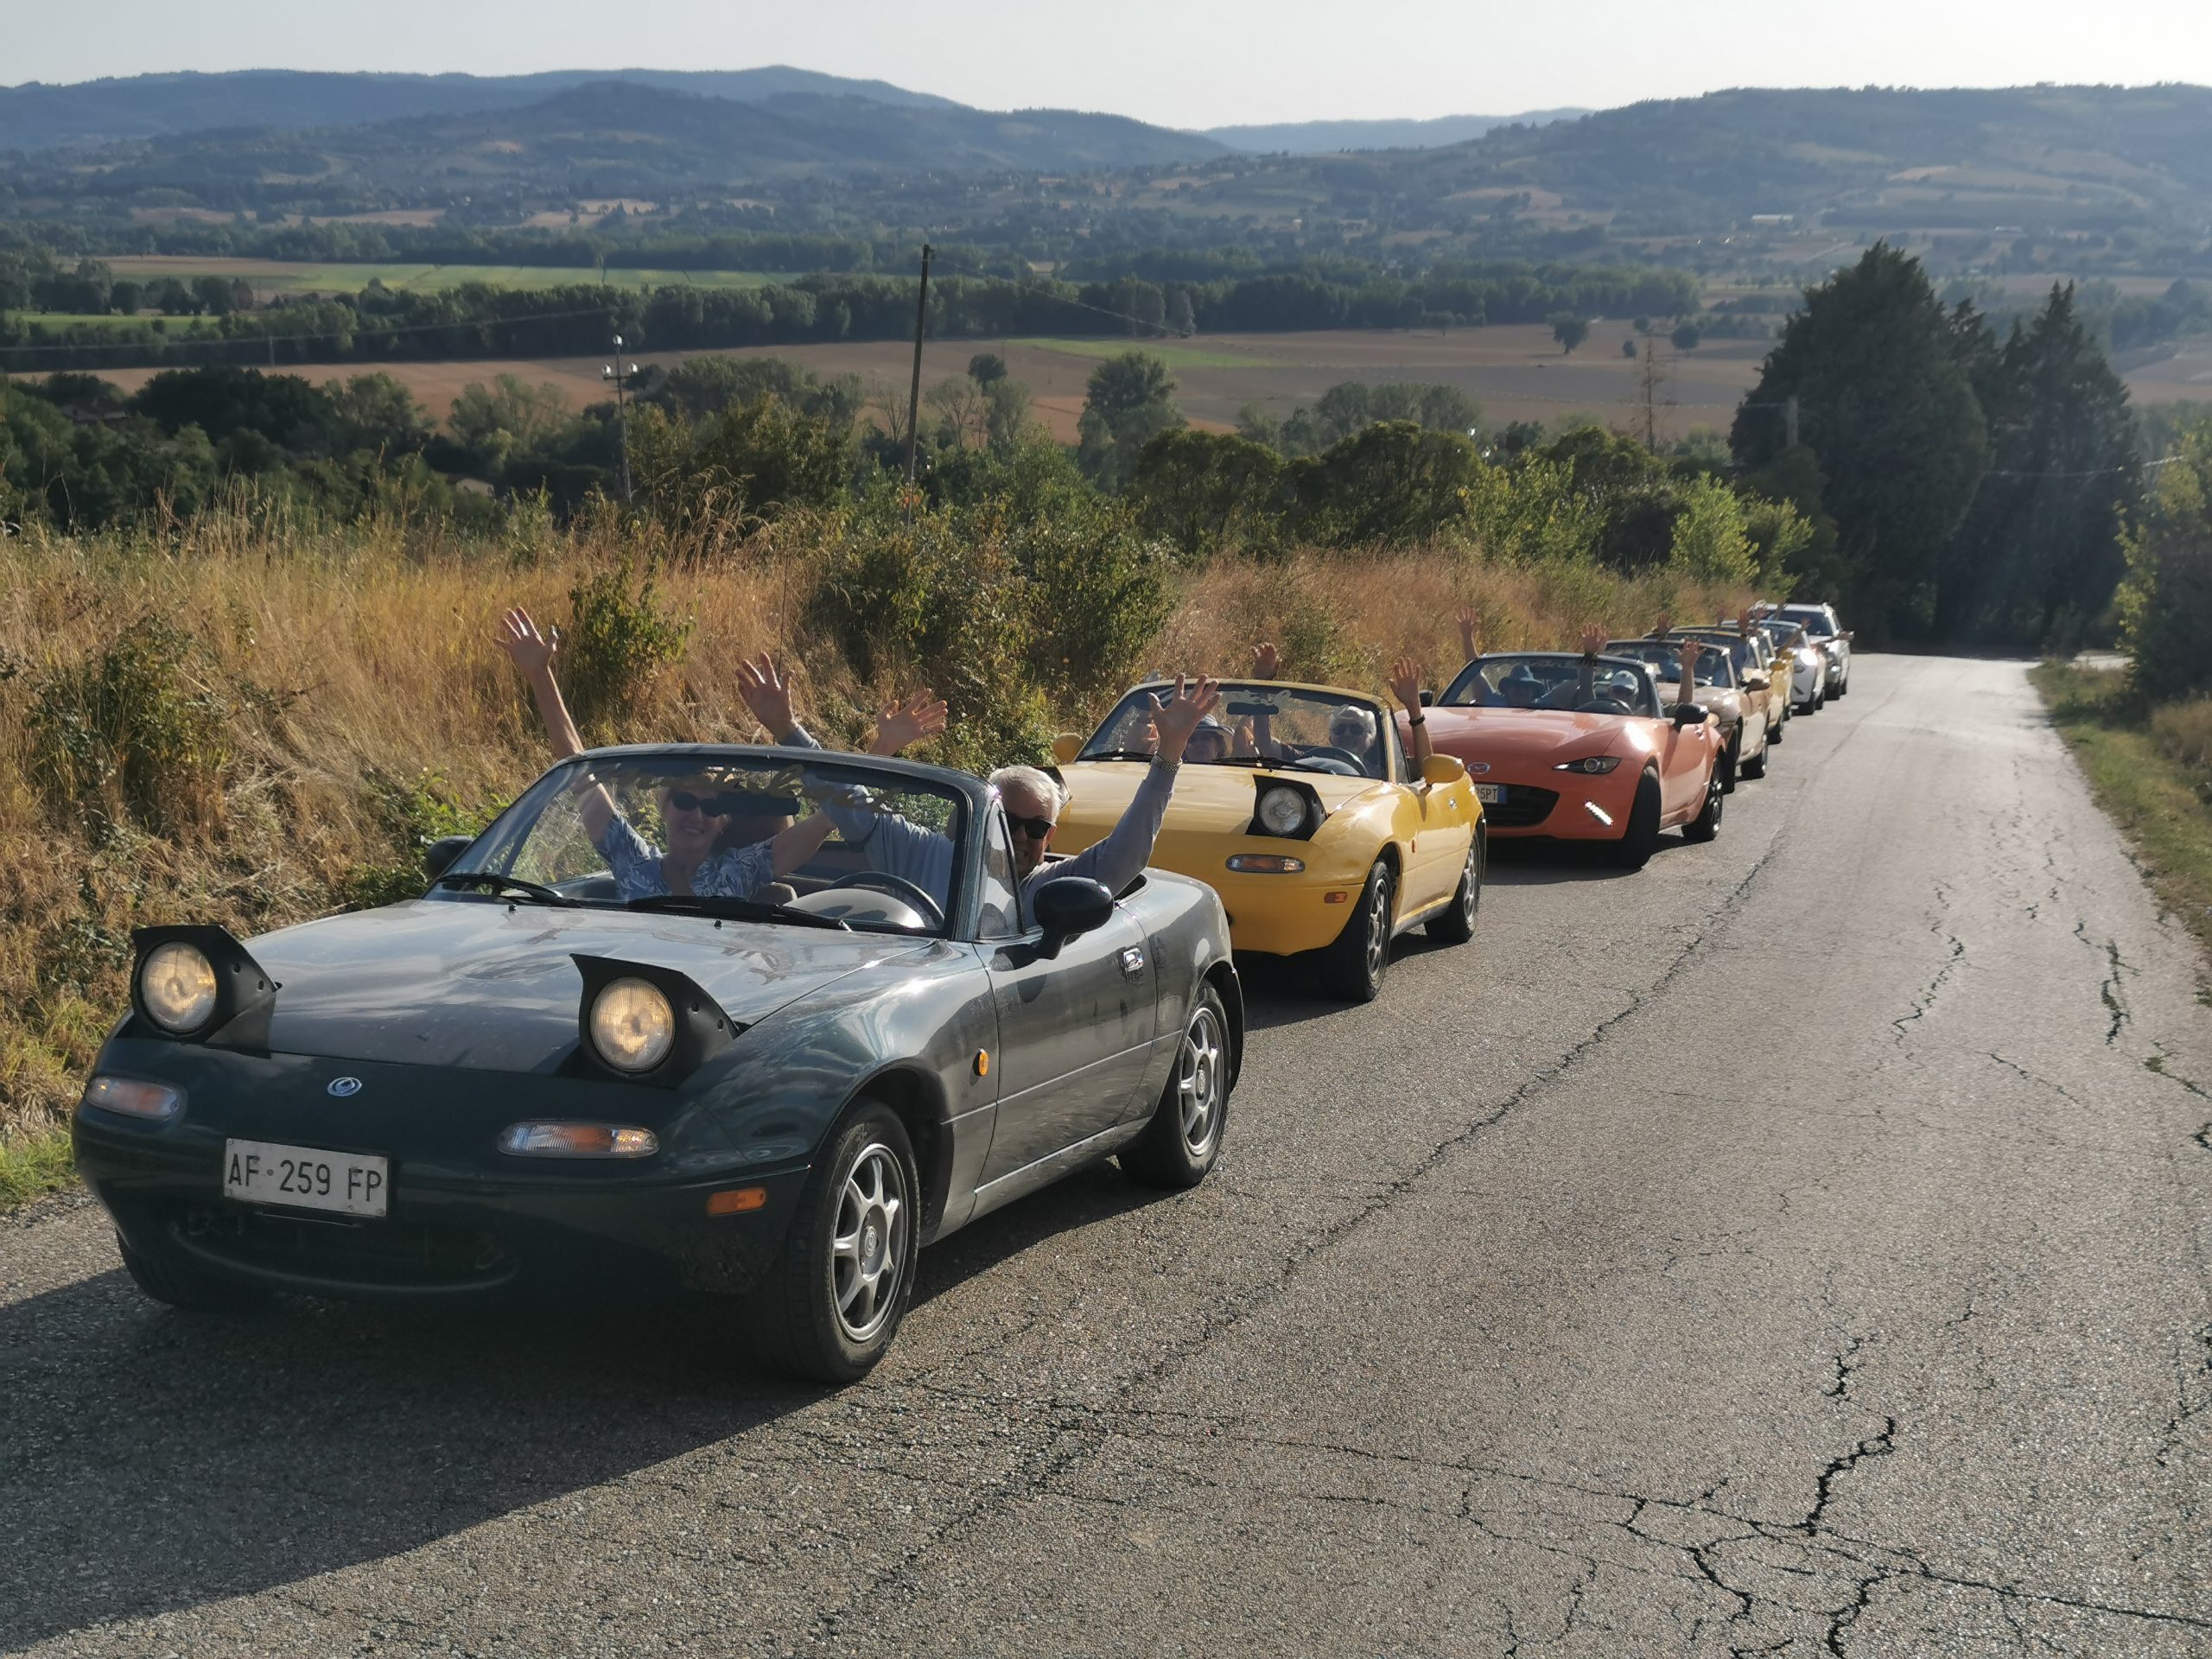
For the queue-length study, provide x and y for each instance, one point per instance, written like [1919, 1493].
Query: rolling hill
[1320, 138]
[38, 117]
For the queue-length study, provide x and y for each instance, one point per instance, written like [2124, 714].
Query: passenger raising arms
[712, 849]
[1033, 799]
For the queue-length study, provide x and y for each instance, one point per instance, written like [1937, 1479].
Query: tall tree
[1888, 407]
[1128, 400]
[2038, 556]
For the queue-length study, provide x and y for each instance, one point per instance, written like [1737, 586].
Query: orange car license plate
[1489, 794]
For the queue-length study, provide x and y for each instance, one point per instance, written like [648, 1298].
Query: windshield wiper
[729, 907]
[537, 890]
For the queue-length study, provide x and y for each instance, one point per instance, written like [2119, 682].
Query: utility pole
[1648, 379]
[914, 394]
[619, 375]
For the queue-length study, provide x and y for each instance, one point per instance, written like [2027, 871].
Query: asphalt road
[1799, 1247]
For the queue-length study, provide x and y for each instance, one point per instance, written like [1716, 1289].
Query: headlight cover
[578, 1141]
[632, 1027]
[1595, 765]
[176, 986]
[1282, 810]
[134, 1097]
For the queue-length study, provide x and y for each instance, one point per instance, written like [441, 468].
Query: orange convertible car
[1580, 748]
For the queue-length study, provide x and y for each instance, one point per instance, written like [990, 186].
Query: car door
[1076, 1028]
[1422, 818]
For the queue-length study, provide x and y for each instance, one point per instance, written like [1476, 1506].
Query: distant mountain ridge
[36, 116]
[1319, 137]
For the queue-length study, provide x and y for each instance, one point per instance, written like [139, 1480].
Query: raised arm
[1470, 633]
[1121, 857]
[532, 652]
[899, 725]
[1405, 684]
[792, 847]
[768, 695]
[1593, 642]
[1266, 663]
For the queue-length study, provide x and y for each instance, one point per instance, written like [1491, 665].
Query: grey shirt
[924, 857]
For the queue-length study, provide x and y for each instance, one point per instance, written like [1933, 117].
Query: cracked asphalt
[1798, 1248]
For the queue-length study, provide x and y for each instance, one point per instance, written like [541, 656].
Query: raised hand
[529, 649]
[767, 694]
[1265, 661]
[1691, 651]
[1659, 628]
[1405, 683]
[1743, 622]
[1593, 640]
[1175, 720]
[898, 724]
[1471, 632]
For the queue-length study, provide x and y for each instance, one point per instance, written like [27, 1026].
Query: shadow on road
[158, 1461]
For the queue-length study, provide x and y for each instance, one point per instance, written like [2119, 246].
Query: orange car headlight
[1596, 765]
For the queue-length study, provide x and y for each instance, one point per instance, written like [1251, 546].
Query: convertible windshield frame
[1460, 693]
[493, 852]
[1670, 644]
[1111, 738]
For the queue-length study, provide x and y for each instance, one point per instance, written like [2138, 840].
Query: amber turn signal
[982, 1062]
[737, 1200]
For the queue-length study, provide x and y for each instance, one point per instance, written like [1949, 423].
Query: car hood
[483, 983]
[1502, 736]
[1208, 799]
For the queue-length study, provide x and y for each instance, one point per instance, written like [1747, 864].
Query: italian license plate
[301, 1177]
[1489, 794]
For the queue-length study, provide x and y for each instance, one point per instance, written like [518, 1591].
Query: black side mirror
[1427, 698]
[438, 856]
[1068, 905]
[1689, 713]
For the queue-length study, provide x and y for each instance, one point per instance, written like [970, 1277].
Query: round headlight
[632, 1026]
[176, 986]
[1282, 812]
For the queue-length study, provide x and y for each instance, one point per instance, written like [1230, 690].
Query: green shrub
[1097, 596]
[617, 641]
[413, 813]
[2166, 604]
[136, 728]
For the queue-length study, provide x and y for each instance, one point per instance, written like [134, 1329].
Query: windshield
[1261, 724]
[1664, 658]
[1814, 618]
[1741, 657]
[683, 829]
[1556, 680]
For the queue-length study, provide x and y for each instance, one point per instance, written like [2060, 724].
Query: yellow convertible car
[1300, 810]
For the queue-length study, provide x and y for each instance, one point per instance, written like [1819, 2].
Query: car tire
[1755, 767]
[823, 1311]
[168, 1276]
[1456, 924]
[1779, 729]
[1640, 839]
[1353, 968]
[1184, 1138]
[1731, 758]
[1706, 824]
[1843, 686]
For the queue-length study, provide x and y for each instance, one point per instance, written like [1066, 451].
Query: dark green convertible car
[669, 1024]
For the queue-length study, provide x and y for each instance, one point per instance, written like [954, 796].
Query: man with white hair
[1032, 798]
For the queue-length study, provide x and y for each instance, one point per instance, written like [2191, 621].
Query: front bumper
[1526, 814]
[464, 1220]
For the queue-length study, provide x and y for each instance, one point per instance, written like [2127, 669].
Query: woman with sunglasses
[700, 857]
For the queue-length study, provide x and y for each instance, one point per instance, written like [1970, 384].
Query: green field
[282, 277]
[1175, 356]
[178, 327]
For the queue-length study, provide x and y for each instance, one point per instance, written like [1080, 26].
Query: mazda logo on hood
[343, 1087]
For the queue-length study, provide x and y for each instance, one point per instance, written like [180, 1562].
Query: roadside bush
[1097, 596]
[135, 727]
[413, 812]
[618, 641]
[2166, 604]
[2183, 730]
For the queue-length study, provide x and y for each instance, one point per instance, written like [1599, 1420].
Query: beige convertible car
[1757, 676]
[1740, 721]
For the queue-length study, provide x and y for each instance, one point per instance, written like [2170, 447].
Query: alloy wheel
[867, 1250]
[1200, 1073]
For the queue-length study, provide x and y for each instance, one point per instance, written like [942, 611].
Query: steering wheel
[1331, 752]
[1603, 706]
[899, 888]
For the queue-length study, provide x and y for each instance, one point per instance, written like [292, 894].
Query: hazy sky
[1180, 63]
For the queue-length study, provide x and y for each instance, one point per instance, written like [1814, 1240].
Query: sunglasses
[714, 806]
[1035, 828]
